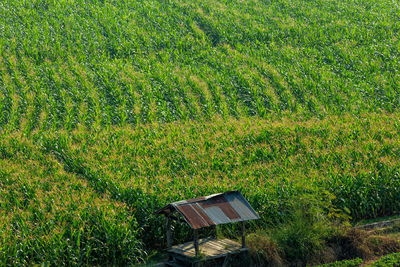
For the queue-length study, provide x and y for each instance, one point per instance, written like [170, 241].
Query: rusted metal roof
[215, 209]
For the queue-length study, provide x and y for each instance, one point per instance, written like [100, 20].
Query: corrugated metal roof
[215, 209]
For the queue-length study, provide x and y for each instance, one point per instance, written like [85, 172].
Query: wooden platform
[209, 248]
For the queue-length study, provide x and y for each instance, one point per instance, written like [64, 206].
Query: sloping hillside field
[111, 109]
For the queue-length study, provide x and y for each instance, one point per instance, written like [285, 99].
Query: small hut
[223, 208]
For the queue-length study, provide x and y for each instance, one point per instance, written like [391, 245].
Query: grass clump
[301, 240]
[263, 250]
[305, 234]
[288, 245]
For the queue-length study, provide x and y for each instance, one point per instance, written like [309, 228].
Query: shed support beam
[169, 241]
[243, 236]
[196, 242]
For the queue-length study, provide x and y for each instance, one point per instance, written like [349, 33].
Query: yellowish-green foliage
[222, 152]
[110, 109]
[49, 215]
[347, 164]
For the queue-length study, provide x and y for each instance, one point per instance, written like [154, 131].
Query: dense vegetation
[391, 260]
[111, 109]
[113, 62]
[346, 163]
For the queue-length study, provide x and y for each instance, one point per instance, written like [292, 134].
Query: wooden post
[214, 228]
[196, 242]
[169, 242]
[243, 236]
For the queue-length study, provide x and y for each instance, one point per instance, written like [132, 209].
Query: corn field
[71, 62]
[110, 109]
